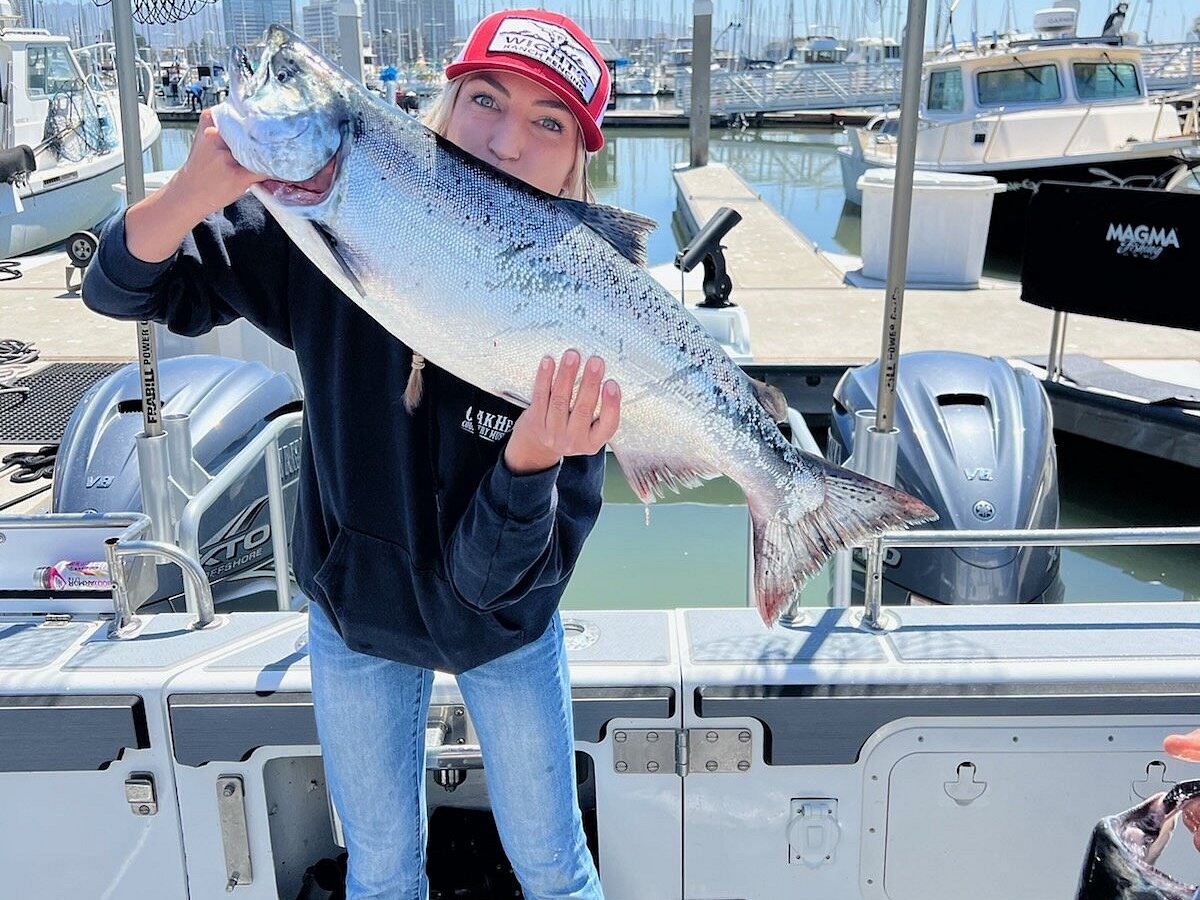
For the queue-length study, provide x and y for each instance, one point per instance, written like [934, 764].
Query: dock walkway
[802, 309]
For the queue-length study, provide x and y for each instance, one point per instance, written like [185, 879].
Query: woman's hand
[552, 427]
[1187, 746]
[209, 180]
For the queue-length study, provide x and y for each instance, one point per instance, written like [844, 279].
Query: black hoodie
[410, 530]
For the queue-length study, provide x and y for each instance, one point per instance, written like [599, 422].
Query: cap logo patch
[552, 46]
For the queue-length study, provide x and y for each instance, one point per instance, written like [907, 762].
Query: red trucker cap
[547, 48]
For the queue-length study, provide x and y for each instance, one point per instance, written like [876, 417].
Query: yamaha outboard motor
[228, 402]
[976, 445]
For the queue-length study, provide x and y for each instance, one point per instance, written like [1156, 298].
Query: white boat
[818, 49]
[919, 754]
[638, 78]
[1049, 108]
[70, 130]
[676, 59]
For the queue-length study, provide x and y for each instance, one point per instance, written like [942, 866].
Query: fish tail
[791, 545]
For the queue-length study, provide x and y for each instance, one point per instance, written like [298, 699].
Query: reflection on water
[695, 549]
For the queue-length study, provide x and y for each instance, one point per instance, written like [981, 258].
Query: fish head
[287, 118]
[1120, 863]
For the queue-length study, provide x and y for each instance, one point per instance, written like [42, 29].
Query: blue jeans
[371, 715]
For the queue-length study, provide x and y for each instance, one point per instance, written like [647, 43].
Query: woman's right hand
[209, 180]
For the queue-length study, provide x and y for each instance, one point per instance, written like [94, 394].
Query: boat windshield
[1023, 84]
[1105, 80]
[51, 71]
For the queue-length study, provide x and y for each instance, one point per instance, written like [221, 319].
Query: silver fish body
[485, 276]
[1120, 860]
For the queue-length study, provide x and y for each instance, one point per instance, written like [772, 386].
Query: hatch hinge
[694, 751]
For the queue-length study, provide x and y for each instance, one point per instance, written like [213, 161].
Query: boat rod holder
[706, 248]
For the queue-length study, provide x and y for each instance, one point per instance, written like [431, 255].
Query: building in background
[319, 27]
[407, 30]
[246, 20]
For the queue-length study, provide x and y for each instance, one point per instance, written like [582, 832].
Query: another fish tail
[790, 545]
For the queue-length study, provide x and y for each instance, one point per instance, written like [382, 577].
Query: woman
[436, 534]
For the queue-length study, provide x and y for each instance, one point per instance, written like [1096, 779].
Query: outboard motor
[228, 402]
[975, 444]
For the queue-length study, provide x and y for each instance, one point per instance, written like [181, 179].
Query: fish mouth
[309, 192]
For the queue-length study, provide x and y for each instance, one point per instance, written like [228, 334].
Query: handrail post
[873, 588]
[1058, 341]
[279, 534]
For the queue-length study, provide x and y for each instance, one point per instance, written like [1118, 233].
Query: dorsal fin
[626, 231]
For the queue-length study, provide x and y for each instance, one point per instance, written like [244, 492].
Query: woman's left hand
[552, 427]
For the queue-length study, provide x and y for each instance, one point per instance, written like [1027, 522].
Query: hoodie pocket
[375, 592]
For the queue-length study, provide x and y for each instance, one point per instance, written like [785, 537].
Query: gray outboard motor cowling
[976, 444]
[228, 402]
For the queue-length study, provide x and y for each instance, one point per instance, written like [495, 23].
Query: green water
[695, 549]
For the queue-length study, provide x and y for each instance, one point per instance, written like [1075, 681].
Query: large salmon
[485, 275]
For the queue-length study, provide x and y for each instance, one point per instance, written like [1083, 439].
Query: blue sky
[1169, 19]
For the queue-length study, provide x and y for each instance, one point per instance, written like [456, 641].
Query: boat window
[1105, 80]
[945, 91]
[1024, 84]
[51, 71]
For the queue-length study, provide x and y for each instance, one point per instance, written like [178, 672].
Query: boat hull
[74, 199]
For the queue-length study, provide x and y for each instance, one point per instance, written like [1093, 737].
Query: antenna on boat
[153, 463]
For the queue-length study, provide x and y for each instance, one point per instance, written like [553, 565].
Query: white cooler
[950, 215]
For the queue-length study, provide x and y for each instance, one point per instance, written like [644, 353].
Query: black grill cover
[16, 162]
[1117, 252]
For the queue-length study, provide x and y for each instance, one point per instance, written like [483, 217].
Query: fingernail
[571, 357]
[594, 365]
[611, 389]
[547, 363]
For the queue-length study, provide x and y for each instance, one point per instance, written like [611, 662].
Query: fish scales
[485, 276]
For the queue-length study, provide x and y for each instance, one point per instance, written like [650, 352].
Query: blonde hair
[437, 119]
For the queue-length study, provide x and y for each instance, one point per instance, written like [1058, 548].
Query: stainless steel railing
[1044, 537]
[195, 583]
[264, 445]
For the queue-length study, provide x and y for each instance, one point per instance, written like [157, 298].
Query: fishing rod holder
[706, 248]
